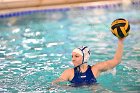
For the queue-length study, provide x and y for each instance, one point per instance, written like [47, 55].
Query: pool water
[36, 48]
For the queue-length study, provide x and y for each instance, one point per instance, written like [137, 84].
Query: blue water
[35, 49]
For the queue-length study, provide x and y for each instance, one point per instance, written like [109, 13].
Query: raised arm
[104, 66]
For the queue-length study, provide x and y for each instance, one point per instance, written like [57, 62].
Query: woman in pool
[82, 73]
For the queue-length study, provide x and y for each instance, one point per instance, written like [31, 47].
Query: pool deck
[71, 5]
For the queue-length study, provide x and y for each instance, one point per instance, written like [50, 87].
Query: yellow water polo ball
[120, 27]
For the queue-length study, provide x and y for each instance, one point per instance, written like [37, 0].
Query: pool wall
[6, 4]
[35, 6]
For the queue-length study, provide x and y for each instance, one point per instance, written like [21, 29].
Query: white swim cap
[84, 51]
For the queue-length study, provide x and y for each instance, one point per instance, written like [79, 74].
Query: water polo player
[82, 73]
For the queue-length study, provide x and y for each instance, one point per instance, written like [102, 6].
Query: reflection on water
[36, 48]
[97, 88]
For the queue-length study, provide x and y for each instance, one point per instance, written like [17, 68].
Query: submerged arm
[64, 77]
[58, 80]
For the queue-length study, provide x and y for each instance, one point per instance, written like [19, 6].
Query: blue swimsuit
[85, 78]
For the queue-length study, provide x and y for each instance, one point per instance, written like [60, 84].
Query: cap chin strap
[81, 64]
[78, 67]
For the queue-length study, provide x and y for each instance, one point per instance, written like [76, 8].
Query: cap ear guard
[86, 53]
